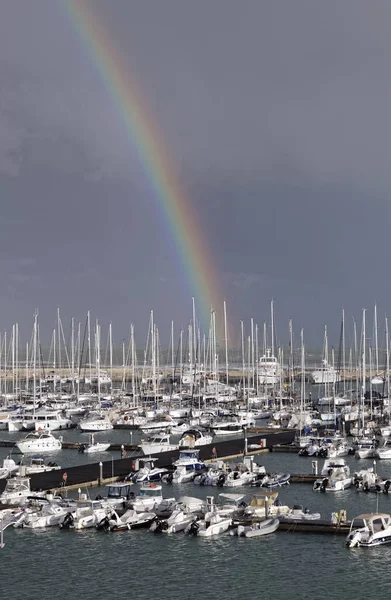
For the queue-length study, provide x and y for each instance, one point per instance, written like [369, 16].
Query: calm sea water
[141, 565]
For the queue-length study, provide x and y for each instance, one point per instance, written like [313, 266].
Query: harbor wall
[83, 474]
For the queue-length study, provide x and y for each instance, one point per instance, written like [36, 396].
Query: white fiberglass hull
[91, 426]
[215, 528]
[27, 447]
[150, 449]
[98, 447]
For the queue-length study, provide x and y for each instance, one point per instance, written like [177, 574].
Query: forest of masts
[81, 352]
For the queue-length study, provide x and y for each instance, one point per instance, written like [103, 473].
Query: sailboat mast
[272, 324]
[226, 342]
[376, 342]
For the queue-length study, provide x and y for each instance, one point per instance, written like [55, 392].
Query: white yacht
[149, 496]
[335, 476]
[16, 491]
[147, 471]
[369, 530]
[215, 526]
[384, 452]
[156, 445]
[96, 423]
[232, 424]
[365, 448]
[193, 438]
[93, 446]
[9, 467]
[39, 441]
[41, 419]
[187, 466]
[325, 374]
[269, 369]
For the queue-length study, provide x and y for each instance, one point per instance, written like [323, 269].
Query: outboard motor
[193, 528]
[169, 477]
[68, 521]
[387, 485]
[354, 539]
[221, 480]
[324, 484]
[104, 524]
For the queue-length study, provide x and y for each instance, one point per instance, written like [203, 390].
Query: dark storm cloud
[277, 117]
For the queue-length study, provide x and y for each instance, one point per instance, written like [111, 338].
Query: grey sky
[277, 117]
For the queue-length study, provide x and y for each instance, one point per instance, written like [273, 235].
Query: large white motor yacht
[269, 369]
[39, 441]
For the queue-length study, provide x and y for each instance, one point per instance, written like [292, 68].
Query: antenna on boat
[2, 544]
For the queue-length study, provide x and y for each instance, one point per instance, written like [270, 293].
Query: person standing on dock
[214, 453]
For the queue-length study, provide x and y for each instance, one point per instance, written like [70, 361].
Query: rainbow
[144, 135]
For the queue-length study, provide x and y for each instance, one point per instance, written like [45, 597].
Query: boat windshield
[116, 491]
[150, 492]
[186, 454]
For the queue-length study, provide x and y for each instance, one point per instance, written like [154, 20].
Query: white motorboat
[338, 449]
[157, 444]
[193, 438]
[41, 419]
[88, 513]
[158, 424]
[266, 527]
[118, 494]
[229, 505]
[365, 448]
[95, 423]
[50, 421]
[178, 521]
[214, 476]
[231, 424]
[146, 471]
[367, 480]
[187, 466]
[129, 520]
[369, 530]
[178, 429]
[335, 476]
[9, 467]
[93, 446]
[150, 495]
[384, 452]
[16, 491]
[215, 526]
[39, 441]
[43, 512]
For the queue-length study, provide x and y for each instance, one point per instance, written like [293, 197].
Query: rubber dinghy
[275, 480]
[258, 529]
